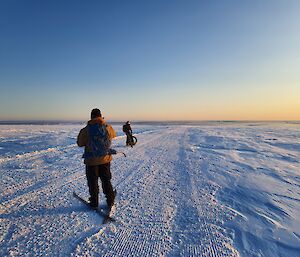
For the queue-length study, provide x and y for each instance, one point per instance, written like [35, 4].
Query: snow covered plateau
[207, 189]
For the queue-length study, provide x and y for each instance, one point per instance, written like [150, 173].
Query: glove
[112, 151]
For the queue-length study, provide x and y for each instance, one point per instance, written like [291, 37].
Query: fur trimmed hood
[98, 120]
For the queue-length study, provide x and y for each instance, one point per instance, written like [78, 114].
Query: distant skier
[96, 138]
[128, 131]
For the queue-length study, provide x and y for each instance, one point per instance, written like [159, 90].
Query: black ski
[105, 214]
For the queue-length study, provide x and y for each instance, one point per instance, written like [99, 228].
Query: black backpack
[99, 142]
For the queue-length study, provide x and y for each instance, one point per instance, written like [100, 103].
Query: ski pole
[113, 151]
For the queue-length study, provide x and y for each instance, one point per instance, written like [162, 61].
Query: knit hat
[95, 113]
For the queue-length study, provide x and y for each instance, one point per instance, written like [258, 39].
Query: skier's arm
[112, 133]
[82, 137]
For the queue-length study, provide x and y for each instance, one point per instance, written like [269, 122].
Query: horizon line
[30, 121]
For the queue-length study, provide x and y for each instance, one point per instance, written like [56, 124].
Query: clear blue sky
[150, 60]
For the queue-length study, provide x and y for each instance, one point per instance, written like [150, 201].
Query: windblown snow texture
[213, 189]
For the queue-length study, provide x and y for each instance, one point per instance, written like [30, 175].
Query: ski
[105, 214]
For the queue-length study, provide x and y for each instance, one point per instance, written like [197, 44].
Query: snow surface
[215, 189]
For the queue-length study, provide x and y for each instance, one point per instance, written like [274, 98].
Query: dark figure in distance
[96, 138]
[128, 131]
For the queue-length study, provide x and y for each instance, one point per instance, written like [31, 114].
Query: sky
[150, 60]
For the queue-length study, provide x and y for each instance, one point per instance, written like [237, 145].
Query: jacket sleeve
[112, 133]
[82, 138]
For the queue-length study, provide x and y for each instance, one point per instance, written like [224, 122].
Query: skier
[96, 138]
[128, 131]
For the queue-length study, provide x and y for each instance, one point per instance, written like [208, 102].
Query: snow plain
[208, 189]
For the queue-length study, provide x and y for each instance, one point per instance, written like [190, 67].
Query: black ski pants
[93, 173]
[128, 138]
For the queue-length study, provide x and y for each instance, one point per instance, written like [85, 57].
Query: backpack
[99, 142]
[126, 128]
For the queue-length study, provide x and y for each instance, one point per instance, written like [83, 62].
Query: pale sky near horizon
[150, 60]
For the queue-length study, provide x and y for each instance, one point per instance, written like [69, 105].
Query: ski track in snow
[182, 191]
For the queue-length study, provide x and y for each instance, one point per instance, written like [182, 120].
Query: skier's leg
[105, 176]
[131, 140]
[92, 179]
